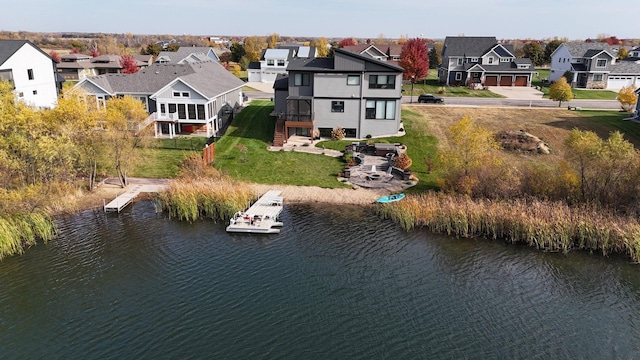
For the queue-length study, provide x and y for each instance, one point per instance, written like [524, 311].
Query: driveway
[517, 92]
[261, 87]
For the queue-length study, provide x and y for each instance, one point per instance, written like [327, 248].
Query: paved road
[470, 101]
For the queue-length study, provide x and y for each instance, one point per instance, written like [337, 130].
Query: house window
[458, 76]
[177, 94]
[301, 79]
[601, 63]
[182, 111]
[382, 82]
[350, 132]
[163, 109]
[172, 108]
[35, 92]
[280, 62]
[597, 77]
[337, 106]
[21, 94]
[490, 60]
[474, 60]
[353, 80]
[30, 74]
[460, 61]
[201, 115]
[380, 109]
[191, 108]
[270, 62]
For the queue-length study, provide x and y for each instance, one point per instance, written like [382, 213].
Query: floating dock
[261, 217]
[126, 198]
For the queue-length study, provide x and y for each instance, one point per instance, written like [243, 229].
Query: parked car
[430, 98]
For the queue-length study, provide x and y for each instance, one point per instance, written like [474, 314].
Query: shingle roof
[584, 49]
[281, 82]
[470, 46]
[328, 64]
[184, 51]
[625, 67]
[207, 77]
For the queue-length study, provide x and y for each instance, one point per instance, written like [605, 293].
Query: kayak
[390, 198]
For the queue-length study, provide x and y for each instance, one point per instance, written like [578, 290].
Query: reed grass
[18, 231]
[204, 193]
[548, 226]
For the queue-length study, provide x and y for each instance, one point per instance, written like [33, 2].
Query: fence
[208, 153]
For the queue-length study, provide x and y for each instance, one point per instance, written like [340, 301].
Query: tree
[321, 45]
[272, 42]
[237, 51]
[151, 49]
[173, 47]
[550, 48]
[226, 57]
[560, 91]
[129, 64]
[93, 52]
[435, 55]
[414, 60]
[623, 53]
[627, 98]
[54, 55]
[253, 46]
[534, 52]
[123, 119]
[347, 42]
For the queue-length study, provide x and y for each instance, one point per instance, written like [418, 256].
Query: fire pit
[374, 177]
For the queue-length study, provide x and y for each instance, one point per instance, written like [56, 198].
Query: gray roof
[625, 68]
[9, 47]
[588, 50]
[502, 51]
[207, 77]
[281, 82]
[470, 46]
[328, 64]
[184, 52]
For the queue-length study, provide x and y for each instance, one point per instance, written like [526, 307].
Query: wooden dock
[261, 217]
[126, 198]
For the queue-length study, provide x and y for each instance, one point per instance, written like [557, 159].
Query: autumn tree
[237, 51]
[560, 91]
[54, 55]
[623, 53]
[627, 98]
[550, 48]
[471, 162]
[93, 52]
[272, 41]
[173, 47]
[253, 47]
[347, 42]
[321, 45]
[414, 60]
[151, 49]
[123, 121]
[534, 51]
[129, 64]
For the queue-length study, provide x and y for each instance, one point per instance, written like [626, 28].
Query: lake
[337, 283]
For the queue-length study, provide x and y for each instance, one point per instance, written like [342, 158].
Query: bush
[338, 134]
[402, 161]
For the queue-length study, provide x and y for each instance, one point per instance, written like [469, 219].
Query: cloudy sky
[573, 19]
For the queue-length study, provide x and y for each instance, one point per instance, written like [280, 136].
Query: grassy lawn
[581, 94]
[162, 160]
[431, 86]
[253, 129]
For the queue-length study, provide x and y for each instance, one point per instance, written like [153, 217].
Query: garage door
[521, 81]
[618, 82]
[505, 81]
[491, 81]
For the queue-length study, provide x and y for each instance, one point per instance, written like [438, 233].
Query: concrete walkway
[304, 144]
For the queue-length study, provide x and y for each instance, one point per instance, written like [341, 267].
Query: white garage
[617, 82]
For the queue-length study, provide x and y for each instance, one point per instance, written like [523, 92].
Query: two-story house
[468, 60]
[275, 61]
[589, 63]
[180, 98]
[31, 71]
[358, 93]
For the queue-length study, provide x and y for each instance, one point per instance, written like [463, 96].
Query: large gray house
[360, 94]
[468, 60]
[180, 98]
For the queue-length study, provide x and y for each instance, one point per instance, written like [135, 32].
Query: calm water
[335, 284]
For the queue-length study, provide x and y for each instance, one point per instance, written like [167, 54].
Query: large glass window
[380, 109]
[382, 82]
[192, 111]
[353, 80]
[201, 115]
[182, 111]
[597, 77]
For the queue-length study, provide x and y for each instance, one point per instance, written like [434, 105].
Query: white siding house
[31, 71]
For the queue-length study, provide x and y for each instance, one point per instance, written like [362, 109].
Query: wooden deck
[126, 198]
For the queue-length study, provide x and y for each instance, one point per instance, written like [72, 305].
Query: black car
[429, 98]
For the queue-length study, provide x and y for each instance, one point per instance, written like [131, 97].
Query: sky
[504, 19]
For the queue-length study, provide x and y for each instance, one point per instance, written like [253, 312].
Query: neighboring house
[594, 66]
[635, 53]
[31, 71]
[79, 66]
[75, 67]
[636, 113]
[470, 60]
[187, 54]
[275, 61]
[384, 52]
[180, 98]
[360, 94]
